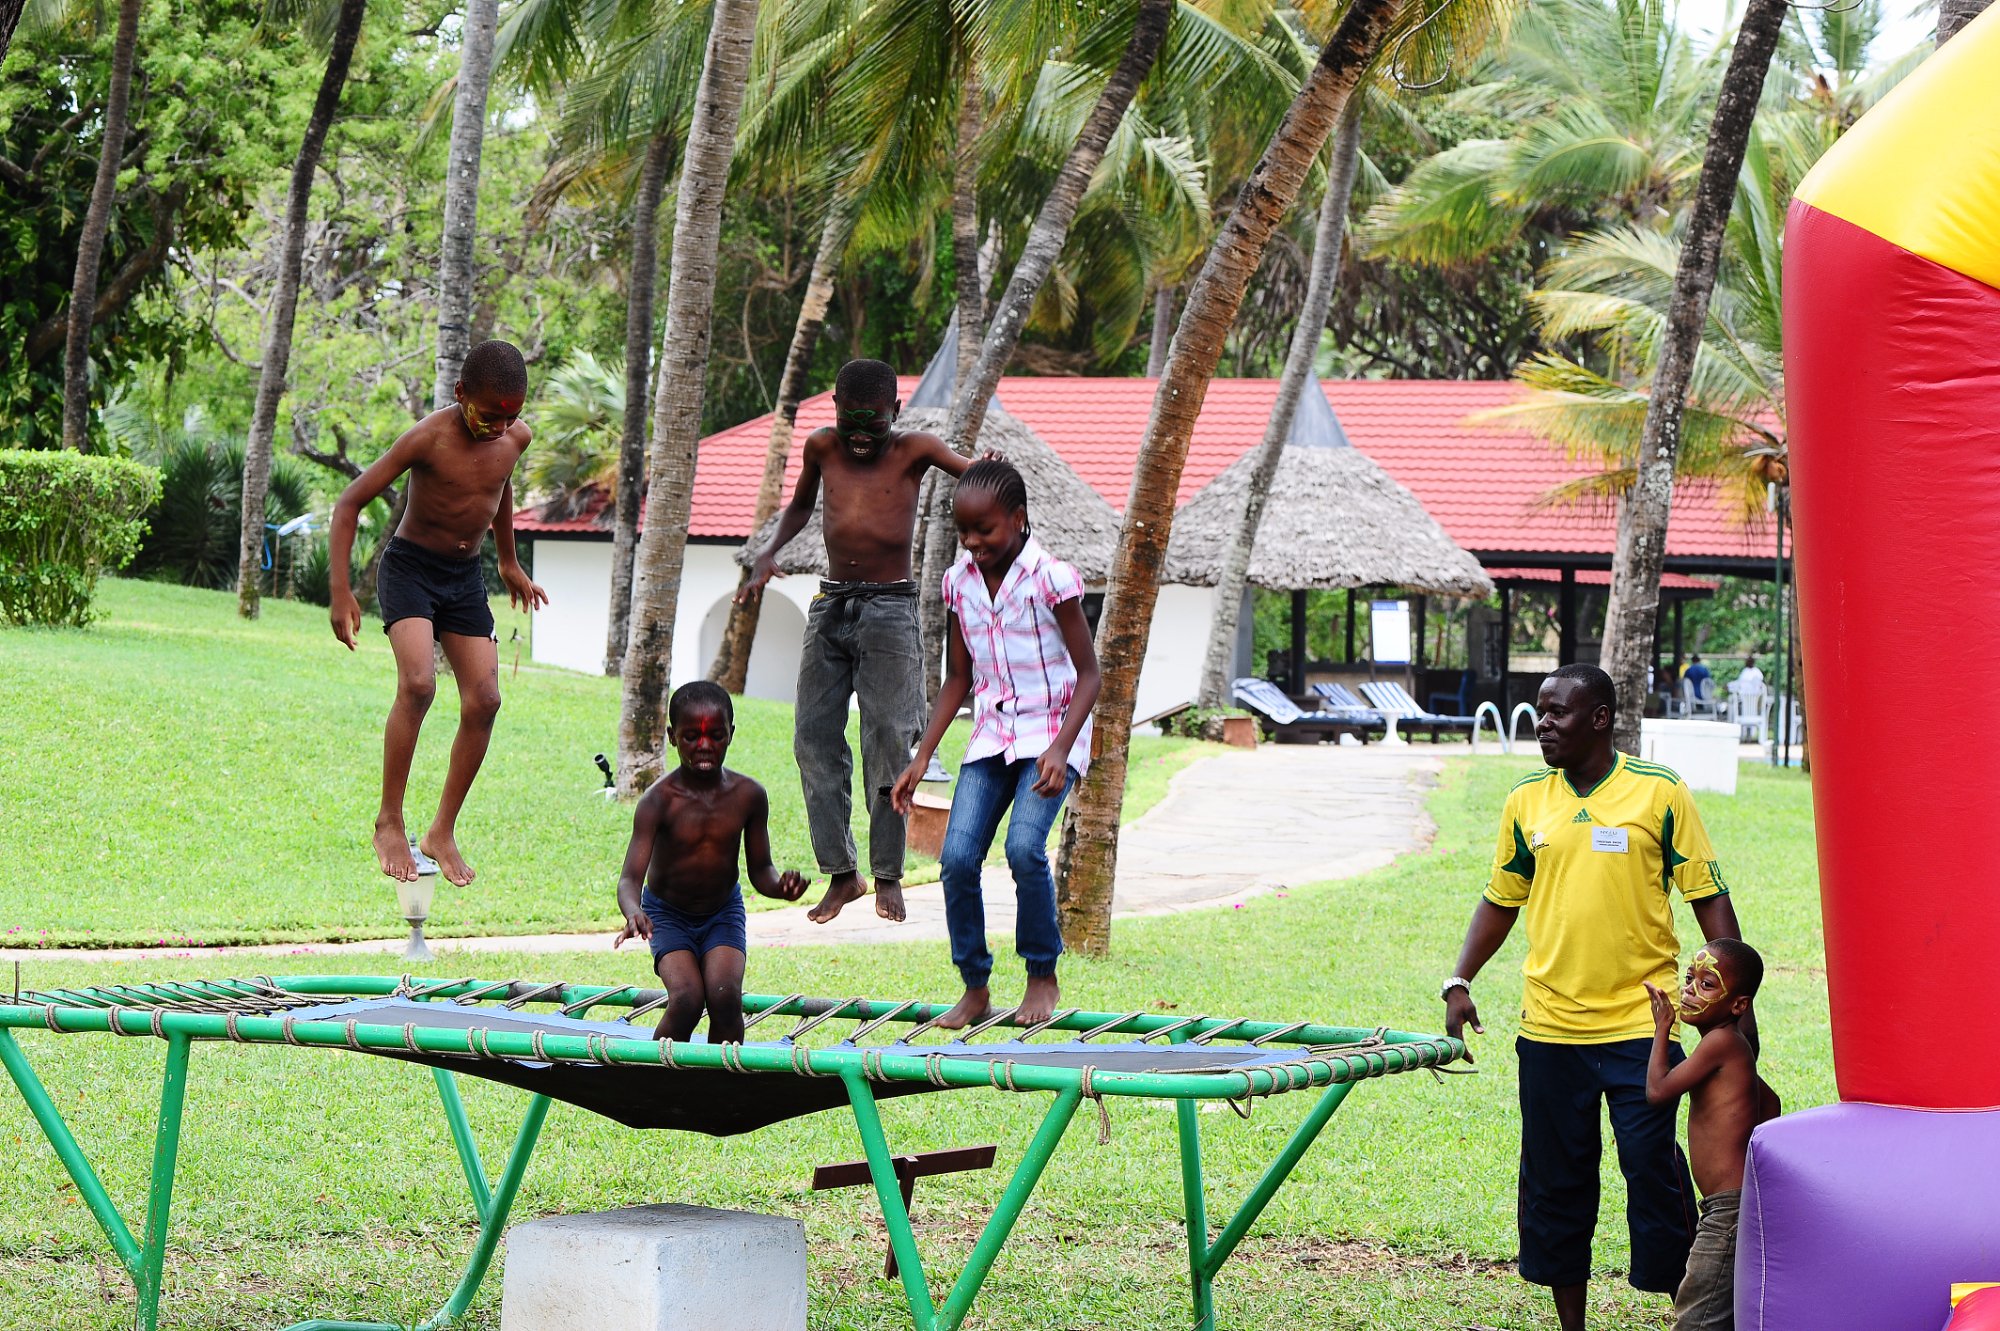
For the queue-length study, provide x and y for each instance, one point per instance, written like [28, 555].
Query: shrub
[196, 527]
[64, 518]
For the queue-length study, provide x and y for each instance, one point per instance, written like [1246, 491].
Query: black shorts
[1562, 1087]
[415, 583]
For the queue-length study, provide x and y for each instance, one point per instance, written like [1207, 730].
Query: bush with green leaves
[66, 517]
[196, 526]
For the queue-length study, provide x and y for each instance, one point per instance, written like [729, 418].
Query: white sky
[1910, 22]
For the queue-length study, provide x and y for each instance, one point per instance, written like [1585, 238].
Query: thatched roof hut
[1070, 519]
[1334, 519]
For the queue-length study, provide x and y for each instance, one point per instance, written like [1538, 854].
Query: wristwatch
[1455, 982]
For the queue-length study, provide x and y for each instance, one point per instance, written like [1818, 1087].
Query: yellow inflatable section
[1910, 172]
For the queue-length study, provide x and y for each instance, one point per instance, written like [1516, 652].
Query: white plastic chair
[1747, 702]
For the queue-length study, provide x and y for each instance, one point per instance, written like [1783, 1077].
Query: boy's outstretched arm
[523, 592]
[1664, 1084]
[796, 515]
[632, 878]
[343, 610]
[763, 875]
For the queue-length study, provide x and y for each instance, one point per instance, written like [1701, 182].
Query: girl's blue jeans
[985, 790]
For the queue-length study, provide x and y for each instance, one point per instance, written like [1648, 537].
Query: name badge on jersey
[1610, 840]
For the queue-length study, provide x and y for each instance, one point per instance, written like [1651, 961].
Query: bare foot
[889, 899]
[392, 848]
[977, 1005]
[840, 889]
[443, 847]
[1039, 1003]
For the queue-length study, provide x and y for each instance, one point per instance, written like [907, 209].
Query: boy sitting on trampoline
[460, 462]
[679, 888]
[1726, 1100]
[1017, 641]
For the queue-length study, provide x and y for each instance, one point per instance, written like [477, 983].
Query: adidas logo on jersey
[1582, 816]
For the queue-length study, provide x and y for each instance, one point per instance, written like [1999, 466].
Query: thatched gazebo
[1070, 519]
[1334, 520]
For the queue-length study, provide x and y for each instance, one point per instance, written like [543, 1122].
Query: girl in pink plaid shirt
[1019, 644]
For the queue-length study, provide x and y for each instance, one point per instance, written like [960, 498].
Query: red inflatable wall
[1893, 390]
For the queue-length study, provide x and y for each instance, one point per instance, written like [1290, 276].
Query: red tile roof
[1599, 577]
[1480, 483]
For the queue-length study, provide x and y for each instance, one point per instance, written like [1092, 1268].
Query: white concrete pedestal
[656, 1268]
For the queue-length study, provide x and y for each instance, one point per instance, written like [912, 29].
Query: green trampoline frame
[1330, 1059]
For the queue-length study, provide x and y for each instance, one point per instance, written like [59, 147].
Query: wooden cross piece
[909, 1168]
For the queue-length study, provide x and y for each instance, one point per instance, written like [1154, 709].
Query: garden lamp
[414, 898]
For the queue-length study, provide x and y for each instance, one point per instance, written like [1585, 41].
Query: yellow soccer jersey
[1591, 873]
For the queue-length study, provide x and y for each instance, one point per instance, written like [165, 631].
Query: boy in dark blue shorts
[679, 888]
[460, 463]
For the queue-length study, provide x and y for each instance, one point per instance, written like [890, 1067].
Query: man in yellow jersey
[1591, 850]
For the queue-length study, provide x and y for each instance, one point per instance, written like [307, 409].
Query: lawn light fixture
[414, 897]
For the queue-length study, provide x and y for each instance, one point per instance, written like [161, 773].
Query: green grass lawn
[175, 774]
[324, 1184]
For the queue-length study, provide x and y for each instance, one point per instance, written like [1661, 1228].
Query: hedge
[65, 517]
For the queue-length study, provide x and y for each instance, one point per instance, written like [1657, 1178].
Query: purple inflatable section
[1861, 1216]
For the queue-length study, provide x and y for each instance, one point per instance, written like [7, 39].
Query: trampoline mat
[716, 1101]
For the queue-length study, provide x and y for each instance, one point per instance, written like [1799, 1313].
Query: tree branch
[49, 334]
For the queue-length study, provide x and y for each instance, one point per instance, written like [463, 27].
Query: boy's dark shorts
[415, 583]
[675, 930]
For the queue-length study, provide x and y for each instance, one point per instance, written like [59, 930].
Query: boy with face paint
[679, 890]
[460, 462]
[1726, 1100]
[862, 639]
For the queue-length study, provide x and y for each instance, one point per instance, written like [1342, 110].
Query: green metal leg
[1001, 1223]
[88, 1185]
[1260, 1196]
[492, 1217]
[882, 1168]
[1201, 1282]
[160, 1196]
[461, 1136]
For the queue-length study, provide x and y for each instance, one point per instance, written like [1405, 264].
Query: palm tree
[284, 305]
[1955, 14]
[10, 18]
[96, 223]
[1298, 369]
[461, 196]
[577, 450]
[711, 144]
[1090, 848]
[1642, 519]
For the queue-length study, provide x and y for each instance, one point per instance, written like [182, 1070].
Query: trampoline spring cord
[645, 1007]
[471, 996]
[285, 1026]
[1111, 1025]
[1218, 1031]
[862, 1031]
[778, 1006]
[599, 1049]
[1279, 1034]
[807, 1023]
[1176, 1026]
[802, 1062]
[410, 1036]
[987, 1025]
[1061, 1015]
[535, 995]
[535, 1043]
[353, 1040]
[1090, 1092]
[585, 1004]
[49, 1011]
[934, 1069]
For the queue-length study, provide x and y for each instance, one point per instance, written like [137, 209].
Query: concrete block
[656, 1268]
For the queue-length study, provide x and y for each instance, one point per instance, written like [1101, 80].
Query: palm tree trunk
[1038, 259]
[638, 363]
[935, 548]
[1163, 330]
[96, 223]
[1090, 846]
[1955, 14]
[284, 308]
[461, 197]
[10, 18]
[731, 667]
[684, 347]
[1642, 518]
[1229, 583]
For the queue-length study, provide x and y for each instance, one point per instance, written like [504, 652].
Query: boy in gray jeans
[862, 639]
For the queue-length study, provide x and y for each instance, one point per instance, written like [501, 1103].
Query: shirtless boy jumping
[461, 463]
[862, 639]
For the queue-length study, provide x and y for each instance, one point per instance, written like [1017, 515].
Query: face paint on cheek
[1703, 965]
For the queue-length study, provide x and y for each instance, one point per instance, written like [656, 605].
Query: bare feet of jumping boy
[443, 847]
[889, 899]
[841, 888]
[392, 849]
[976, 1005]
[1039, 1004]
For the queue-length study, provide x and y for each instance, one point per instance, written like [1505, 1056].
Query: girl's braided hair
[1000, 479]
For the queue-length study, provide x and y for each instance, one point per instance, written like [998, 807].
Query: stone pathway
[1231, 827]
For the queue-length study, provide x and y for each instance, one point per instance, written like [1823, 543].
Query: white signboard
[1389, 632]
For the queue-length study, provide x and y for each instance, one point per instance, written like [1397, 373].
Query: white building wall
[569, 631]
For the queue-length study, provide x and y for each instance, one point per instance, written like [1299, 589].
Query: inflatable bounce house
[1865, 1214]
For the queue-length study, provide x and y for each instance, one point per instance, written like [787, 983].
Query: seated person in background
[1698, 675]
[1726, 1100]
[679, 889]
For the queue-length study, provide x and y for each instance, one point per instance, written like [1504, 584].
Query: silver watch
[1455, 982]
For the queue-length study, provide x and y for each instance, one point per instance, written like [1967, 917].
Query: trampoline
[590, 1046]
